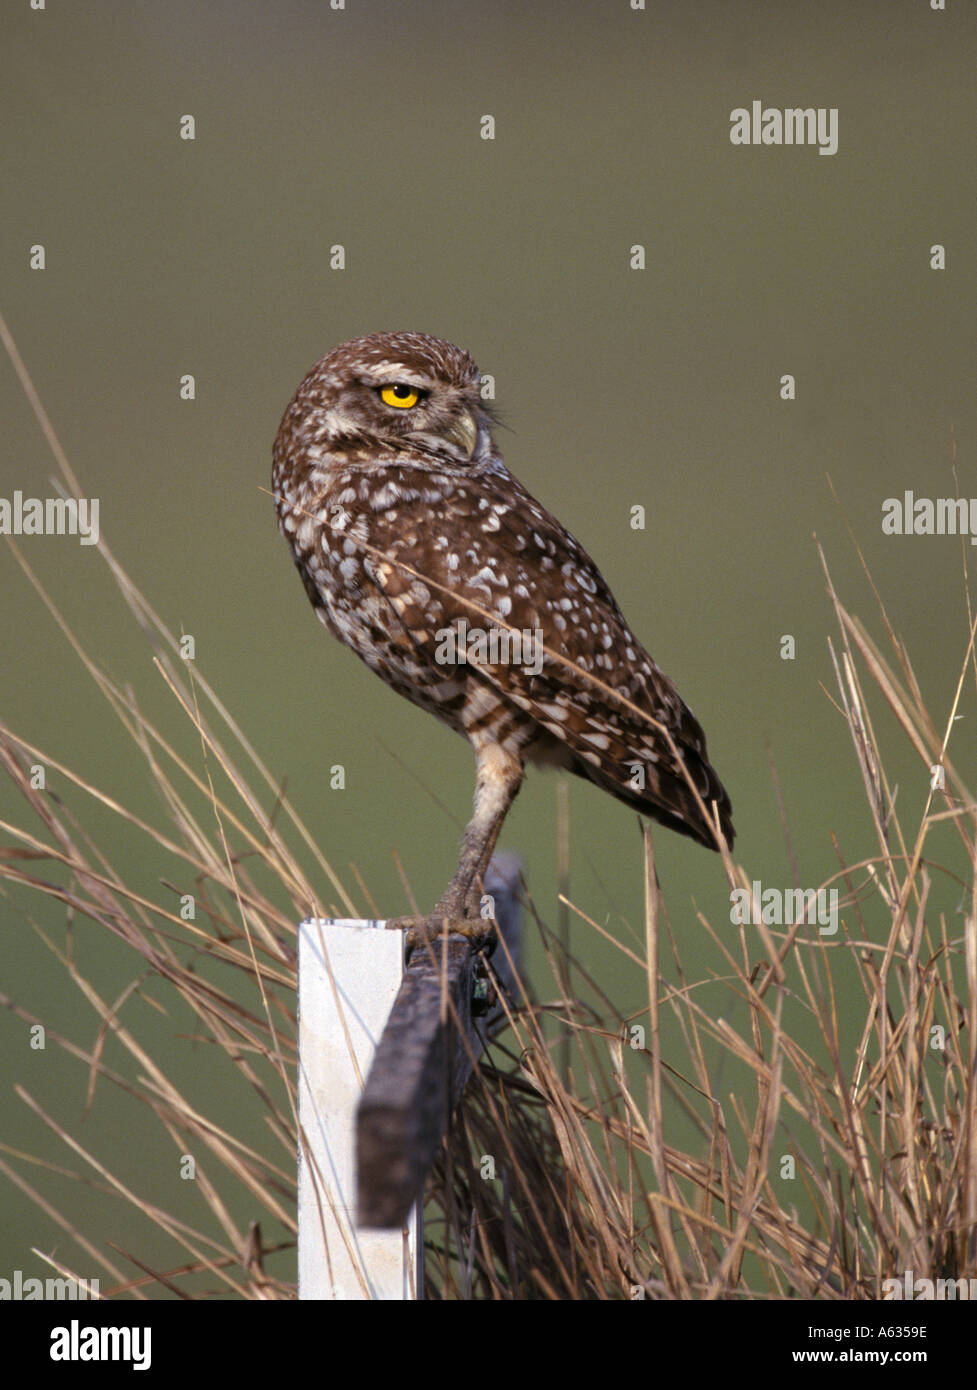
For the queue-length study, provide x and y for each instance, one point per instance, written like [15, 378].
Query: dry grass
[870, 1108]
[834, 1144]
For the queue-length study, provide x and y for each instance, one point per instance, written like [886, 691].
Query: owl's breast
[361, 560]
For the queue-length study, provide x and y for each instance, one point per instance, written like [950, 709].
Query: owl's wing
[492, 558]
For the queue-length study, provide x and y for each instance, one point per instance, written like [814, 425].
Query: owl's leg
[498, 778]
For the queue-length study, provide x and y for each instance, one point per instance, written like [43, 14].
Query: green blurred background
[619, 387]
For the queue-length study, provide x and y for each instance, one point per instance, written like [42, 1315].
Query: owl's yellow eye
[403, 397]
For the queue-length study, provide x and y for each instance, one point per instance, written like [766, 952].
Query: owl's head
[402, 393]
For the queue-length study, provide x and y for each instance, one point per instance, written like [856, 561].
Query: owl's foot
[429, 930]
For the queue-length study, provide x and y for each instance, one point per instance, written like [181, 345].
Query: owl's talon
[423, 931]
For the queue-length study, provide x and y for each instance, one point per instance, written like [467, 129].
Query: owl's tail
[645, 775]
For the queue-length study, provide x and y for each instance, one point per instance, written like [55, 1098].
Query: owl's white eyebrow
[393, 371]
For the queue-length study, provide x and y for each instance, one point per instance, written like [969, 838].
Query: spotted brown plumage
[405, 525]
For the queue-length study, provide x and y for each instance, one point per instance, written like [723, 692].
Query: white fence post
[349, 975]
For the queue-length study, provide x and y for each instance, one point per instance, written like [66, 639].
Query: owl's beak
[464, 432]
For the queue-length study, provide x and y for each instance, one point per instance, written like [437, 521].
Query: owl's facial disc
[428, 414]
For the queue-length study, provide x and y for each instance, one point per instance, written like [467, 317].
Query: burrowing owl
[421, 551]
